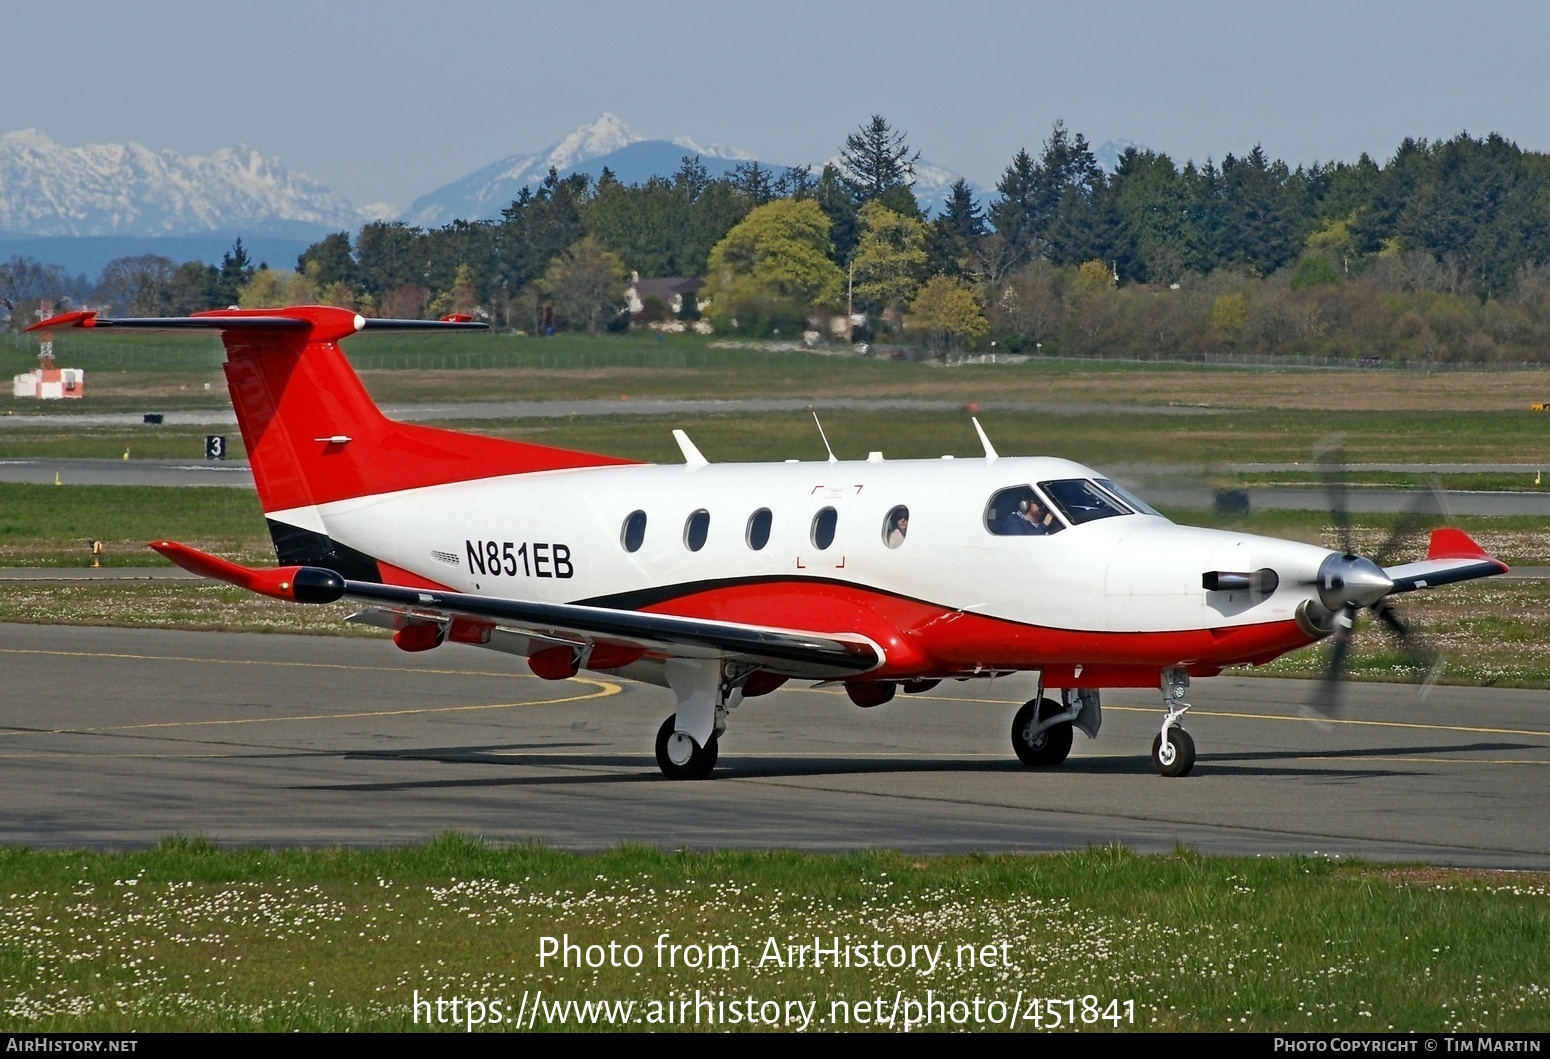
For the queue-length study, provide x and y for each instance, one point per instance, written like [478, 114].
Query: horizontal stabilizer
[1452, 557]
[245, 320]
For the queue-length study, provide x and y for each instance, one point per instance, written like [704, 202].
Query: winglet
[692, 455]
[295, 584]
[1450, 543]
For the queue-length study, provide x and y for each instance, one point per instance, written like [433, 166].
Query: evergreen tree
[329, 260]
[875, 160]
[835, 200]
[955, 234]
[236, 271]
[1014, 214]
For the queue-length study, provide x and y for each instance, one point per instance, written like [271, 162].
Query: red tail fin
[312, 432]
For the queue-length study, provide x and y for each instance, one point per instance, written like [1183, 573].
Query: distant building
[670, 291]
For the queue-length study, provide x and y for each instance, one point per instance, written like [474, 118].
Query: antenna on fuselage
[824, 436]
[990, 450]
[692, 455]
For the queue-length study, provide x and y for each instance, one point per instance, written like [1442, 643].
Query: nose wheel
[1173, 752]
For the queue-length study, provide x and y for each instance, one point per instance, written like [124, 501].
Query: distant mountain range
[129, 190]
[80, 206]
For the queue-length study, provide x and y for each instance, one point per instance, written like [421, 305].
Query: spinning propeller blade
[1351, 582]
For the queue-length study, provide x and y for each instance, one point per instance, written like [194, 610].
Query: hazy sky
[384, 101]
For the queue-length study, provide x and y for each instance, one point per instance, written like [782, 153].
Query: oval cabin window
[759, 528]
[633, 535]
[696, 529]
[824, 524]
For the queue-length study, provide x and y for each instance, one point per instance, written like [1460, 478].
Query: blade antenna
[990, 450]
[824, 436]
[692, 455]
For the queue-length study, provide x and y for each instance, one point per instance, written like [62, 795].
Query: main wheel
[1050, 746]
[1177, 756]
[679, 756]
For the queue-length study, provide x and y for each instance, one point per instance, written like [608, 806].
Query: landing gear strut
[706, 690]
[1173, 750]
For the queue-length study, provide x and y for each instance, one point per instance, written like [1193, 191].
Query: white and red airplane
[724, 581]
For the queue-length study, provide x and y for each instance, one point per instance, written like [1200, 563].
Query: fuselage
[817, 546]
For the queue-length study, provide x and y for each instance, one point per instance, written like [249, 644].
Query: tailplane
[314, 435]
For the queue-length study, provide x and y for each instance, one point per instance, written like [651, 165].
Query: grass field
[188, 938]
[126, 371]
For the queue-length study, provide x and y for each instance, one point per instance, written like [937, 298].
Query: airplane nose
[1351, 580]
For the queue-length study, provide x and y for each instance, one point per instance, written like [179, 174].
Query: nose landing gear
[1173, 750]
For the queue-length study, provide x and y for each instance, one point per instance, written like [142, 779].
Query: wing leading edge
[788, 652]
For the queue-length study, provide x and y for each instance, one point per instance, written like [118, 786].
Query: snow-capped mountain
[607, 141]
[128, 190]
[633, 159]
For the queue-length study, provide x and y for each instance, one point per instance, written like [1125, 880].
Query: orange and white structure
[48, 383]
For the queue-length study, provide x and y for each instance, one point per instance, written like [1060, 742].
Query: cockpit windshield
[1082, 501]
[1135, 502]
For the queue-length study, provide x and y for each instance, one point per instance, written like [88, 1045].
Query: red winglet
[79, 318]
[279, 582]
[1449, 543]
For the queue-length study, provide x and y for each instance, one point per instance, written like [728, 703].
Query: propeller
[1349, 583]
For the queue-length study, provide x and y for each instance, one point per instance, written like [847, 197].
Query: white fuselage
[559, 536]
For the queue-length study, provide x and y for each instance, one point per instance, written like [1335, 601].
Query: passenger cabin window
[896, 526]
[696, 529]
[823, 527]
[1082, 501]
[633, 535]
[1020, 512]
[758, 534]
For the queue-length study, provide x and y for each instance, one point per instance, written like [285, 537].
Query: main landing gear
[1041, 731]
[1039, 735]
[706, 691]
[1173, 750]
[680, 757]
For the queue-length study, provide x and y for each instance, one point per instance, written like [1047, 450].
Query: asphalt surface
[115, 738]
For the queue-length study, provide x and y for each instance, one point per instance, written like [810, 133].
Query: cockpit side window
[1082, 501]
[1020, 512]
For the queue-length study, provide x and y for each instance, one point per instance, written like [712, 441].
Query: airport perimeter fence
[1246, 360]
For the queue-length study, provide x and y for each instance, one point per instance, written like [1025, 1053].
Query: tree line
[1441, 252]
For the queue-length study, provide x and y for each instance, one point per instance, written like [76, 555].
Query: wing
[578, 631]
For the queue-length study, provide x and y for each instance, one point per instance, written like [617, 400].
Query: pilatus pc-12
[721, 582]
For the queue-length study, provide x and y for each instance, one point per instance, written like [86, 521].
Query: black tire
[1050, 747]
[700, 762]
[1183, 756]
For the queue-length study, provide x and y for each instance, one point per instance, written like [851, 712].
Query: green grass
[186, 937]
[1531, 481]
[45, 525]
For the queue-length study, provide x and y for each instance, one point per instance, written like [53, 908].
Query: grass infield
[188, 937]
